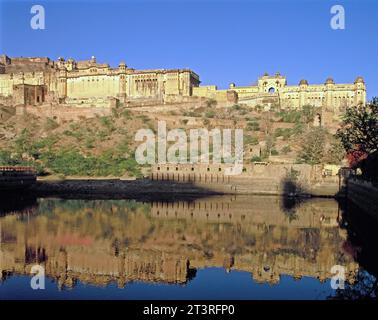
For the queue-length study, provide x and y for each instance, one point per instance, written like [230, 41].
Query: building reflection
[103, 241]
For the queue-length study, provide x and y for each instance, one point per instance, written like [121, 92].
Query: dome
[303, 82]
[330, 81]
[359, 80]
[122, 64]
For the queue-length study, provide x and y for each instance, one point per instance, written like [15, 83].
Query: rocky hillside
[105, 146]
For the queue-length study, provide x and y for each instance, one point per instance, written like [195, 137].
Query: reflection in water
[103, 241]
[10, 204]
[362, 244]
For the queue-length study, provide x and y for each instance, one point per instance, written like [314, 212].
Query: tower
[62, 83]
[329, 88]
[359, 91]
[122, 80]
[71, 64]
[303, 86]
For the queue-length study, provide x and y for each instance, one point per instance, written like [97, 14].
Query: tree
[335, 152]
[210, 103]
[269, 144]
[313, 146]
[359, 128]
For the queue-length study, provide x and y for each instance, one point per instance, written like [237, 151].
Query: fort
[40, 80]
[274, 90]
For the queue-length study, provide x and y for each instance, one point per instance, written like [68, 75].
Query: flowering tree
[359, 131]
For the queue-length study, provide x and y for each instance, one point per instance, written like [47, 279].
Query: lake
[220, 247]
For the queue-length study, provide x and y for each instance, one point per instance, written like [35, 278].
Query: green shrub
[211, 103]
[291, 116]
[50, 124]
[256, 159]
[286, 133]
[253, 126]
[298, 129]
[251, 140]
[126, 114]
[286, 149]
[210, 114]
[274, 152]
[72, 162]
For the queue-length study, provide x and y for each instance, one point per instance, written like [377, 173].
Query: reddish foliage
[354, 157]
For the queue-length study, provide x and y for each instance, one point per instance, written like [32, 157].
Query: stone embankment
[259, 179]
[16, 178]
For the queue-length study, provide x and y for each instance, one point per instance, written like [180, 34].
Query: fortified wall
[256, 178]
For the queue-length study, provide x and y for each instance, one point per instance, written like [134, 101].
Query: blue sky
[223, 41]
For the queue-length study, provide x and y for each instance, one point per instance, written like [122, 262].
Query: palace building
[35, 81]
[273, 89]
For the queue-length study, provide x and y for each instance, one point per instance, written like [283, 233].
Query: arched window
[271, 90]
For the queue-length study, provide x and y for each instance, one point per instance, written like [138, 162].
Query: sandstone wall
[264, 178]
[64, 113]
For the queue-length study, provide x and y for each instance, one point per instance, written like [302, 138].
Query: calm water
[229, 247]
